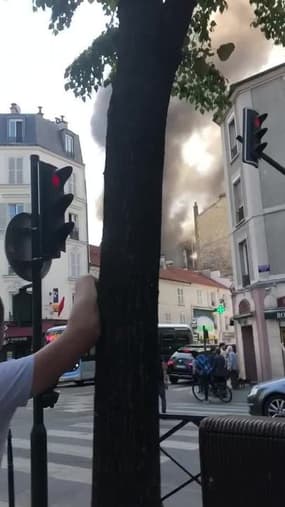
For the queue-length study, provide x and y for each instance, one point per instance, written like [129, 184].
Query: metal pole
[273, 162]
[11, 484]
[268, 159]
[39, 486]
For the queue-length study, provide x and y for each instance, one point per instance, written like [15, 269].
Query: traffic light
[253, 133]
[53, 203]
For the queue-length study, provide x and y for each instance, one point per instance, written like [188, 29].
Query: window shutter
[3, 216]
[19, 171]
[11, 177]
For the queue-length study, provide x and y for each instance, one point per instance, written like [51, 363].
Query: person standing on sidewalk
[232, 366]
[163, 385]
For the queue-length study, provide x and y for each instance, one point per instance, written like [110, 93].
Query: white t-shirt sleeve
[16, 379]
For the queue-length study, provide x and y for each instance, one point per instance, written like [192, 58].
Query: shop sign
[280, 315]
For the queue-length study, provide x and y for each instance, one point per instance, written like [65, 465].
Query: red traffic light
[257, 122]
[55, 180]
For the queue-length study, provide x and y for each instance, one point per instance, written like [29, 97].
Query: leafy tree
[149, 50]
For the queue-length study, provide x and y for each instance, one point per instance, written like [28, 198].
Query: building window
[15, 131]
[15, 171]
[213, 299]
[199, 297]
[232, 138]
[238, 202]
[168, 317]
[244, 266]
[72, 184]
[74, 264]
[69, 144]
[180, 297]
[182, 318]
[75, 231]
[15, 209]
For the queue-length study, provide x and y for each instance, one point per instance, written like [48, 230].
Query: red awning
[19, 331]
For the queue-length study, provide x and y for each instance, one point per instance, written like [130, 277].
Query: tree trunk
[126, 472]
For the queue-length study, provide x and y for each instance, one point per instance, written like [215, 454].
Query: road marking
[182, 446]
[70, 434]
[55, 471]
[65, 449]
[183, 432]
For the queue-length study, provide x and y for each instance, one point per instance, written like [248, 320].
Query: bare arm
[81, 334]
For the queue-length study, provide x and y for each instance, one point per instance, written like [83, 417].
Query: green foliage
[197, 79]
[270, 18]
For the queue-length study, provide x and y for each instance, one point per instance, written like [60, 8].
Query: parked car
[268, 398]
[180, 365]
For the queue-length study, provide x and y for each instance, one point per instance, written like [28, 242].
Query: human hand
[85, 316]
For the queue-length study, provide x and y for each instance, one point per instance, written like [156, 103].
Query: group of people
[217, 367]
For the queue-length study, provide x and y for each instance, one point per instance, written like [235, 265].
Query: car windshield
[182, 355]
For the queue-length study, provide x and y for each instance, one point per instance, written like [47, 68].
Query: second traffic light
[252, 136]
[53, 204]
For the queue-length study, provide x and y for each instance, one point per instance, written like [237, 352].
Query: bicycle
[217, 389]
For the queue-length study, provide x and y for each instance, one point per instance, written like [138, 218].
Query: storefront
[18, 340]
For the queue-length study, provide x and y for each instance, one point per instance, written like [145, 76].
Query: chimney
[196, 229]
[185, 259]
[15, 109]
[40, 111]
[61, 122]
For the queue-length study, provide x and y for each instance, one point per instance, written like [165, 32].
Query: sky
[33, 62]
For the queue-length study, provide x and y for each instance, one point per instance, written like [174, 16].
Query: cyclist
[219, 371]
[203, 370]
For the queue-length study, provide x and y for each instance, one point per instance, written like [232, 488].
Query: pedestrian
[232, 366]
[203, 371]
[20, 379]
[163, 385]
[223, 349]
[219, 371]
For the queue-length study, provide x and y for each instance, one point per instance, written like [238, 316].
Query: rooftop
[170, 273]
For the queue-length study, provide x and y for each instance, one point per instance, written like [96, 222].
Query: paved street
[69, 427]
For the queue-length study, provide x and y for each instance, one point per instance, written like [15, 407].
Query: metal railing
[182, 421]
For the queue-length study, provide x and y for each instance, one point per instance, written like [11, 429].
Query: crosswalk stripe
[55, 470]
[182, 433]
[182, 446]
[70, 434]
[70, 473]
[57, 448]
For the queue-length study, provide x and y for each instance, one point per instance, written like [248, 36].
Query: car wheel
[274, 406]
[173, 380]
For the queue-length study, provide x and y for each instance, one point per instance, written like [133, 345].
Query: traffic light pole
[39, 485]
[267, 159]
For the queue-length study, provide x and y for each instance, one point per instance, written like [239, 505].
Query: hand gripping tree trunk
[126, 472]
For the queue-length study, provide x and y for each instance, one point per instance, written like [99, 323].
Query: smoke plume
[193, 158]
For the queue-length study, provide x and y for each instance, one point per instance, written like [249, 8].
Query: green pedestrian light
[220, 309]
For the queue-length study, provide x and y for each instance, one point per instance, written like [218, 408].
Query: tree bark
[126, 471]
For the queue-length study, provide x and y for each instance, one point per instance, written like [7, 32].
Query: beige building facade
[188, 297]
[212, 237]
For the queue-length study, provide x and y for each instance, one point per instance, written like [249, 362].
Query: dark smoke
[185, 182]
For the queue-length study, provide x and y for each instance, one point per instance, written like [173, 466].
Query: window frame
[244, 262]
[14, 139]
[73, 217]
[180, 296]
[233, 156]
[239, 218]
[15, 171]
[68, 138]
